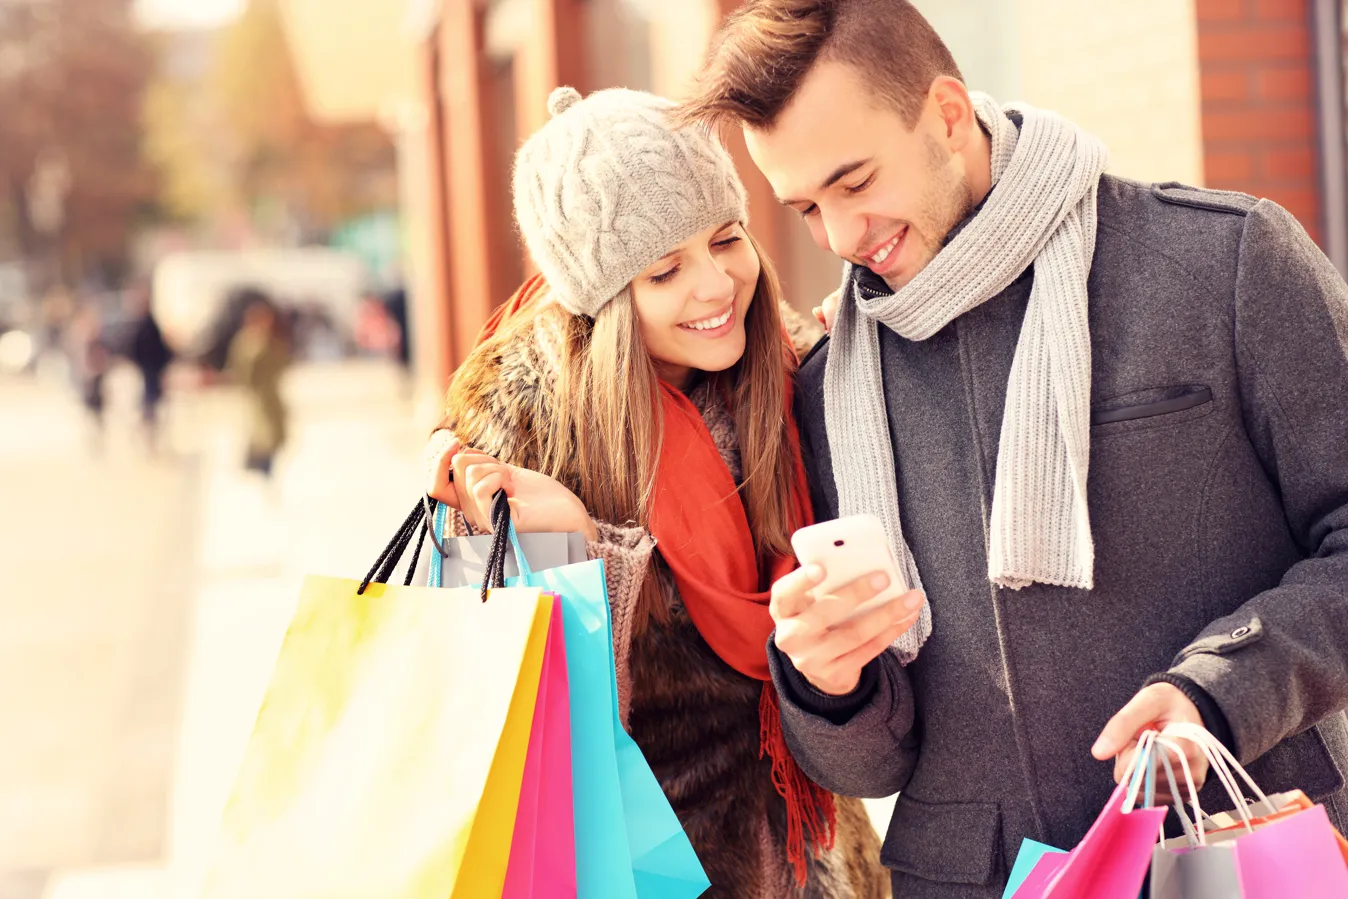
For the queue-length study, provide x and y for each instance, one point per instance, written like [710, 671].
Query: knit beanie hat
[607, 187]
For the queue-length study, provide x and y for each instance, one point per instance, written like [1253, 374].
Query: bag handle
[1223, 760]
[393, 551]
[1193, 827]
[1218, 767]
[1220, 761]
[504, 540]
[1142, 769]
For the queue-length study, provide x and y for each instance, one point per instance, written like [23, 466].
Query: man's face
[874, 191]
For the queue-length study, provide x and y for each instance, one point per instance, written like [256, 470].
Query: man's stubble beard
[947, 201]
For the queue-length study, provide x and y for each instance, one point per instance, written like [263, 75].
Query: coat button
[1240, 633]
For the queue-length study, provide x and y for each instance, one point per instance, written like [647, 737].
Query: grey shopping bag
[466, 562]
[1200, 872]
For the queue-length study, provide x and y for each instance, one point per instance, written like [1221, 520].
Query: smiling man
[1104, 423]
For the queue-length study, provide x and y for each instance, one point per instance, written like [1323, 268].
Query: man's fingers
[794, 597]
[791, 594]
[862, 636]
[1123, 728]
[1198, 770]
[871, 649]
[1122, 760]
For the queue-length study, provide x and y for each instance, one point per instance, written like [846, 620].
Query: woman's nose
[715, 284]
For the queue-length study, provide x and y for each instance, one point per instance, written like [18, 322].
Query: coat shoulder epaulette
[1227, 201]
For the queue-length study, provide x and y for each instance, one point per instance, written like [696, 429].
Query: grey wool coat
[1218, 494]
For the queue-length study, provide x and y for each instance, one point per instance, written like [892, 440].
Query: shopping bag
[389, 752]
[468, 556]
[629, 842]
[1182, 870]
[1293, 852]
[543, 847]
[1028, 862]
[1112, 860]
[1277, 806]
[542, 853]
[1205, 872]
[1293, 856]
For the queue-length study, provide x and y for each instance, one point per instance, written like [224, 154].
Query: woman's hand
[466, 480]
[827, 313]
[440, 449]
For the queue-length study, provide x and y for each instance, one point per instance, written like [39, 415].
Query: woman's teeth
[709, 324]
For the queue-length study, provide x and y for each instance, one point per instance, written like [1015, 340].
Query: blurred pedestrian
[258, 357]
[151, 355]
[89, 362]
[395, 303]
[56, 312]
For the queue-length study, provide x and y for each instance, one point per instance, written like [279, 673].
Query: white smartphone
[847, 549]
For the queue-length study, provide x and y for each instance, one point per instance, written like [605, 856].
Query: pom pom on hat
[562, 99]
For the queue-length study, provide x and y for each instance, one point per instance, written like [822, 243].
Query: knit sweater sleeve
[627, 554]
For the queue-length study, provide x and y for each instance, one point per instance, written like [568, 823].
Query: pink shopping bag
[1295, 856]
[1110, 862]
[1041, 875]
[543, 848]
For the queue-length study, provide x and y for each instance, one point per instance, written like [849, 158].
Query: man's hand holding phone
[831, 638]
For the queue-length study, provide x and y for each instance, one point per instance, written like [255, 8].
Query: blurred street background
[243, 246]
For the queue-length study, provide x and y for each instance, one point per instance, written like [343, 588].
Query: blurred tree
[302, 174]
[72, 76]
[185, 136]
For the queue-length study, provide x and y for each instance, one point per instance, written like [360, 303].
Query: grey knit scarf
[1041, 212]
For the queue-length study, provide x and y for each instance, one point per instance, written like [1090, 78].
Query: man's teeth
[710, 324]
[882, 254]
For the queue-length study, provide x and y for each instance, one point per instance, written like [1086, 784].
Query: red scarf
[702, 531]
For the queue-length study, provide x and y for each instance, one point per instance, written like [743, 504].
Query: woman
[641, 395]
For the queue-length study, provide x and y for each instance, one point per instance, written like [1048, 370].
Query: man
[1105, 424]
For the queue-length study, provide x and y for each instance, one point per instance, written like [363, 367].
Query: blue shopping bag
[1031, 851]
[629, 842]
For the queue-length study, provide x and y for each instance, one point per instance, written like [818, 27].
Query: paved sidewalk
[130, 701]
[97, 563]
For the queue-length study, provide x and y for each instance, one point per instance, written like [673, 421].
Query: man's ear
[951, 102]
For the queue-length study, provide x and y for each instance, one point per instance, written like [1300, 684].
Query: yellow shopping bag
[388, 755]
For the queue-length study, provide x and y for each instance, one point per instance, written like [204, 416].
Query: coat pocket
[1144, 404]
[949, 842]
[1301, 762]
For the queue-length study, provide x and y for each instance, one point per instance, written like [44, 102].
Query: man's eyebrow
[837, 175]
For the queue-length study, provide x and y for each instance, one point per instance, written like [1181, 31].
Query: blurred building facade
[1234, 94]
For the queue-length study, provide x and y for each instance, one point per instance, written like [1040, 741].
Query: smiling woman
[641, 394]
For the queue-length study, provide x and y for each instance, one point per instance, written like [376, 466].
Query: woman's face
[691, 305]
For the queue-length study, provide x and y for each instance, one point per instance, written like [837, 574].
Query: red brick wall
[1260, 136]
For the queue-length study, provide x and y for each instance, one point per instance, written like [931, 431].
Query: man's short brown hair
[764, 50]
